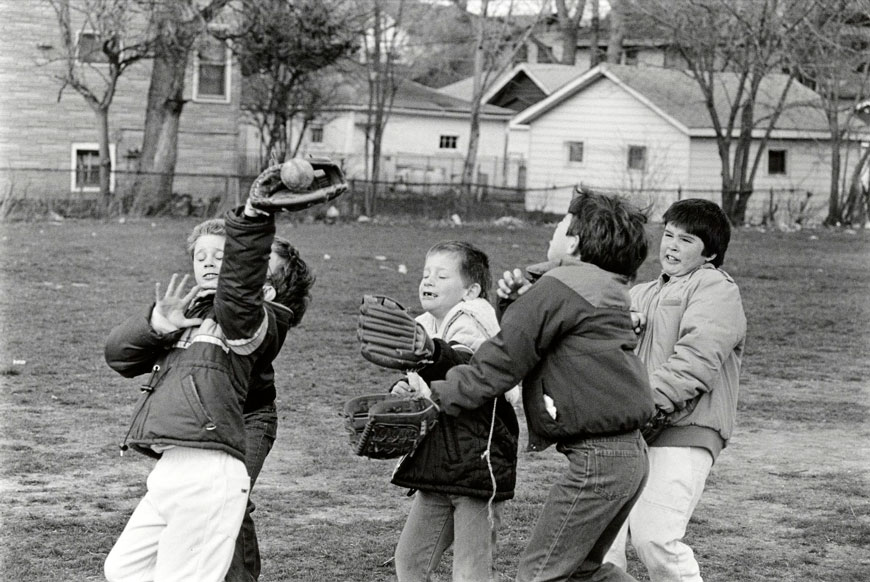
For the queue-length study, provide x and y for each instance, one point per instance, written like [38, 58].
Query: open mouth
[428, 295]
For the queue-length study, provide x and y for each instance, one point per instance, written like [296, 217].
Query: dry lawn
[787, 501]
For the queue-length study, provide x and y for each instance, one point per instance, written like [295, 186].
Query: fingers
[512, 283]
[402, 388]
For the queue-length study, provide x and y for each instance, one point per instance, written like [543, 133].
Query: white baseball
[297, 174]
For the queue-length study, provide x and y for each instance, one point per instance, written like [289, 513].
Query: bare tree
[831, 57]
[617, 31]
[100, 39]
[568, 15]
[177, 26]
[497, 41]
[730, 47]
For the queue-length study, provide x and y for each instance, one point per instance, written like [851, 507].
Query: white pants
[185, 527]
[657, 523]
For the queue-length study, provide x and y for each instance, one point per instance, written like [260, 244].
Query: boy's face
[442, 287]
[562, 244]
[208, 255]
[680, 253]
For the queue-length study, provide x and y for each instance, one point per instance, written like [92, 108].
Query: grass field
[787, 501]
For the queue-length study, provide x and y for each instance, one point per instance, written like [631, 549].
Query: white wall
[607, 120]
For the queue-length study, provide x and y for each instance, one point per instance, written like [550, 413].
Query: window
[85, 165]
[637, 158]
[575, 151]
[630, 56]
[211, 73]
[89, 49]
[448, 142]
[776, 162]
[316, 134]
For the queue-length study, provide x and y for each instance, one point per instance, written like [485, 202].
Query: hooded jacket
[200, 375]
[569, 337]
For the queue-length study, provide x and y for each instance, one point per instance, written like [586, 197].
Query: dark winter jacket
[200, 376]
[451, 458]
[262, 387]
[569, 337]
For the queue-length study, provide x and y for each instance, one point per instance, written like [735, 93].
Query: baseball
[297, 174]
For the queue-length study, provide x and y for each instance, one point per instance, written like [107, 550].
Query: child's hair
[611, 232]
[293, 280]
[211, 226]
[705, 220]
[473, 263]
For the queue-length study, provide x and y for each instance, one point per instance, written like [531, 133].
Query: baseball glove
[383, 426]
[270, 194]
[654, 427]
[390, 337]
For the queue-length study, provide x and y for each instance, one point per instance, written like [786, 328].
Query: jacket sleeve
[134, 346]
[529, 327]
[713, 325]
[238, 305]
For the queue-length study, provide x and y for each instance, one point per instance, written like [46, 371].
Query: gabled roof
[676, 97]
[414, 97]
[548, 78]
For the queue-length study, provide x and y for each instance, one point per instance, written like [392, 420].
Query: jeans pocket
[615, 474]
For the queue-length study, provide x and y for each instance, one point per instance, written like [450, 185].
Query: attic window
[637, 158]
[776, 163]
[316, 134]
[448, 142]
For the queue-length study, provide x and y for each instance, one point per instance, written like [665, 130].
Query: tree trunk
[617, 32]
[474, 130]
[105, 159]
[152, 189]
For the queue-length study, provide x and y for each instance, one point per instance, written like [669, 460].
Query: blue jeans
[438, 520]
[261, 427]
[585, 510]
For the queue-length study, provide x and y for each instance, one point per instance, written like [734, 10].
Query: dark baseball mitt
[296, 185]
[383, 426]
[654, 427]
[390, 337]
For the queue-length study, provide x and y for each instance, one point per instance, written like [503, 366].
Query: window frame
[89, 146]
[569, 146]
[228, 79]
[784, 153]
[444, 141]
[637, 148]
[315, 133]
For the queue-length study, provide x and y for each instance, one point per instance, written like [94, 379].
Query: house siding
[38, 126]
[607, 119]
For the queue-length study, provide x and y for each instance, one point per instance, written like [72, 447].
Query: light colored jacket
[692, 346]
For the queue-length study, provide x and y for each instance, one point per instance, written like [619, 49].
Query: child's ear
[472, 292]
[573, 244]
[710, 258]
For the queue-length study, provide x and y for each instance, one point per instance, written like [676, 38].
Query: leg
[427, 533]
[261, 427]
[659, 520]
[134, 555]
[585, 510]
[203, 496]
[474, 539]
[616, 553]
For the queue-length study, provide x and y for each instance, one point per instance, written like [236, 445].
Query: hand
[638, 322]
[513, 284]
[170, 308]
[413, 387]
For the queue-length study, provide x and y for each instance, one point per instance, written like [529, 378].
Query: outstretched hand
[170, 307]
[513, 284]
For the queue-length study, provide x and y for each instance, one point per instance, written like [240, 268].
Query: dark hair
[293, 280]
[611, 232]
[473, 263]
[705, 220]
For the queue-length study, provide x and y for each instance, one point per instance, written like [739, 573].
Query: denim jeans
[434, 523]
[585, 509]
[261, 427]
[657, 523]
